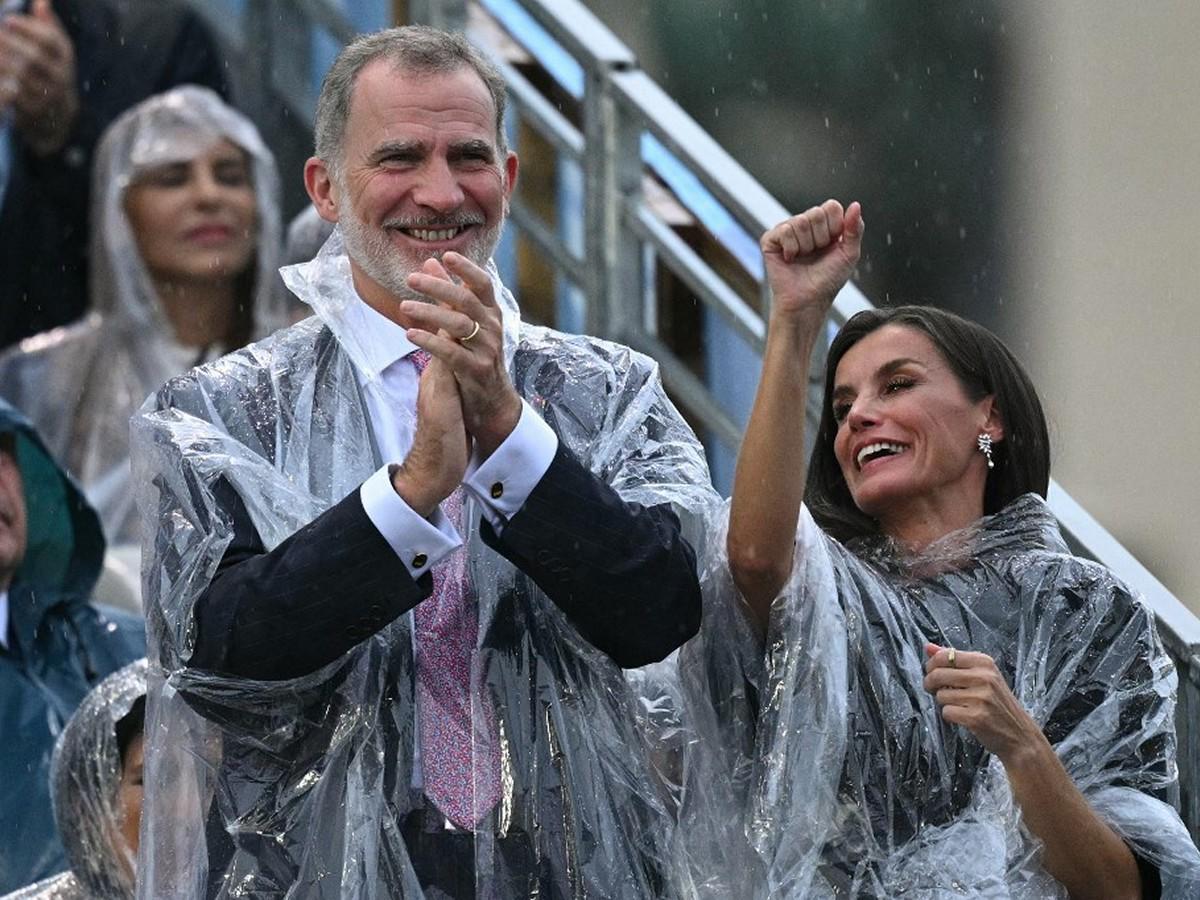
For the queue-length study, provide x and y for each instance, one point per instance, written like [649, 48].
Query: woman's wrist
[1029, 758]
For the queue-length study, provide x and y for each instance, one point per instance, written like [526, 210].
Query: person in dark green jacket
[55, 645]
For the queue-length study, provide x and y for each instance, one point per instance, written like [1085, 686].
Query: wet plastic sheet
[85, 776]
[310, 779]
[855, 787]
[79, 384]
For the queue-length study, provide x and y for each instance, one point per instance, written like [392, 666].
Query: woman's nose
[862, 414]
[206, 189]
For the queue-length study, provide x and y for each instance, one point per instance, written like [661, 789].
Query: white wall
[1104, 230]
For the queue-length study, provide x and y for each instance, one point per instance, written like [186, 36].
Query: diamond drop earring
[985, 447]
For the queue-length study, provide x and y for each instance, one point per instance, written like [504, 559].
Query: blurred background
[1031, 165]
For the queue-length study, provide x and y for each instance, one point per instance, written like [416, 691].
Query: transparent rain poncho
[309, 779]
[81, 383]
[851, 782]
[85, 776]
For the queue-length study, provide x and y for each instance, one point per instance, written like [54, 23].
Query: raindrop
[889, 239]
[827, 123]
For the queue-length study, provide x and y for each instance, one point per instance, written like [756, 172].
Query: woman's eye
[840, 411]
[172, 176]
[234, 176]
[899, 384]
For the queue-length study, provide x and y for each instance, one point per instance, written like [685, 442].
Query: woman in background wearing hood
[55, 645]
[185, 228]
[96, 782]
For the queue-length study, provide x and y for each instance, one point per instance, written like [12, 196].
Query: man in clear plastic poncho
[164, 295]
[55, 645]
[96, 781]
[355, 706]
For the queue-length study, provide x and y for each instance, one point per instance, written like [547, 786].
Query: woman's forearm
[1081, 850]
[769, 479]
[807, 259]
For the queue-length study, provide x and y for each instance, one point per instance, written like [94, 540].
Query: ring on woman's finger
[474, 331]
[952, 658]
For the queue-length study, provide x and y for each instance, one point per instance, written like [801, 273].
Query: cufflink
[497, 490]
[418, 561]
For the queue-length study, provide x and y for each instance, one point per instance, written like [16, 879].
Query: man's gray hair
[418, 49]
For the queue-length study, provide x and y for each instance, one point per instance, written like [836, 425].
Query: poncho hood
[65, 544]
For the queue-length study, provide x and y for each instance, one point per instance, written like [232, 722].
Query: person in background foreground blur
[951, 703]
[96, 783]
[54, 644]
[185, 239]
[67, 69]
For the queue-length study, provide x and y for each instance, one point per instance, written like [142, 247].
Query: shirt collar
[381, 341]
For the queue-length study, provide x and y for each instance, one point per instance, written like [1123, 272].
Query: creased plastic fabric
[85, 776]
[855, 787]
[310, 778]
[81, 383]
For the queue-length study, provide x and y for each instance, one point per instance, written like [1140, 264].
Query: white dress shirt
[516, 466]
[500, 484]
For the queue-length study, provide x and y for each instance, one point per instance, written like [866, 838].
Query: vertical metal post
[612, 173]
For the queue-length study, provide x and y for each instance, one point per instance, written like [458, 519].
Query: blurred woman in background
[185, 231]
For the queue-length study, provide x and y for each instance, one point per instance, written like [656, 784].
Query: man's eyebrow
[473, 147]
[844, 390]
[405, 149]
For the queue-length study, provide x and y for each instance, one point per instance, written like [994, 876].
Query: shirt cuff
[503, 482]
[418, 542]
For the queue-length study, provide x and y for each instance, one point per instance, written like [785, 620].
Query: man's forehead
[382, 84]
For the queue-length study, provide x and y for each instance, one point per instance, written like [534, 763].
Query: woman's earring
[985, 447]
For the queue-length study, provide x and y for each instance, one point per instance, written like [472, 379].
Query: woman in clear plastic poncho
[184, 242]
[949, 703]
[96, 781]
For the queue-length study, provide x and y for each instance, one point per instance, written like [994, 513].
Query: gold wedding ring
[474, 332]
[952, 658]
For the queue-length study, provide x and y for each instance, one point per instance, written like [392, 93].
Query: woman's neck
[201, 313]
[923, 524]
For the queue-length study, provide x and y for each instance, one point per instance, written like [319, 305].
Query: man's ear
[510, 175]
[319, 183]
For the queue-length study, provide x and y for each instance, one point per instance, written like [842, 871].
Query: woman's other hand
[1080, 849]
[811, 255]
[971, 692]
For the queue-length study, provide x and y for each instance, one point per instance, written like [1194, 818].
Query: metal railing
[578, 89]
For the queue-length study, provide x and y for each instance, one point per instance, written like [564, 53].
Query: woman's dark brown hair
[984, 366]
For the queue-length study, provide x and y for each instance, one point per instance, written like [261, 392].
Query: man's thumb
[41, 9]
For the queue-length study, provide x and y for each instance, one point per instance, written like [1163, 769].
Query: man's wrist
[496, 429]
[422, 502]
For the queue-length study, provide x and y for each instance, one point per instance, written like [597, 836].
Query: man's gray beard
[387, 267]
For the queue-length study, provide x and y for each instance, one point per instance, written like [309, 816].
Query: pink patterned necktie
[460, 759]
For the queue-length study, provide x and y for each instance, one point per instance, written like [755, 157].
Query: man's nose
[438, 189]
